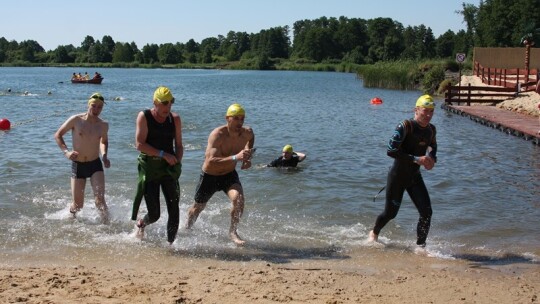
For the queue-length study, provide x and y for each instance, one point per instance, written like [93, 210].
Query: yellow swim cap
[425, 101]
[163, 94]
[96, 98]
[235, 110]
[287, 148]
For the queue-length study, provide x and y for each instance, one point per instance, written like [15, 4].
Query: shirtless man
[89, 137]
[227, 145]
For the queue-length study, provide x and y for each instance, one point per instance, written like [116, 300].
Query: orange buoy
[376, 101]
[5, 124]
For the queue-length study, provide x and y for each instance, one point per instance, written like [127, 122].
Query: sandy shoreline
[398, 277]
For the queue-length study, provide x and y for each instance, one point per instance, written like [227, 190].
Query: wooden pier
[521, 125]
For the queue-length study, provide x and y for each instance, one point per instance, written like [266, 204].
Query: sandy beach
[400, 277]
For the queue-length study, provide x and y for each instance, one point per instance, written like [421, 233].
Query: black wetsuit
[409, 140]
[282, 162]
[161, 136]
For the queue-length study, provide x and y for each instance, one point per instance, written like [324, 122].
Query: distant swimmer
[288, 158]
[90, 139]
[408, 146]
[227, 145]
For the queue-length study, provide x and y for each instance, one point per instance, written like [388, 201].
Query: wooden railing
[517, 79]
[477, 94]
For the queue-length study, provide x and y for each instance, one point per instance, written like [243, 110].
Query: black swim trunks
[209, 184]
[86, 169]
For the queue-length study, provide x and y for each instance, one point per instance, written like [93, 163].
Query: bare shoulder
[79, 116]
[220, 131]
[248, 131]
[175, 115]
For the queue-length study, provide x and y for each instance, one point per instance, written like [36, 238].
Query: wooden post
[469, 95]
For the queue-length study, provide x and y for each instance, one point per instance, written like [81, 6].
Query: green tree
[97, 53]
[168, 54]
[87, 43]
[123, 53]
[445, 44]
[385, 39]
[192, 46]
[108, 45]
[206, 56]
[61, 55]
[150, 53]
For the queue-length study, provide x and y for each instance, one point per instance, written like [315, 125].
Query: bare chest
[88, 130]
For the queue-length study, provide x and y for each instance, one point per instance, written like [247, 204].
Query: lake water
[485, 188]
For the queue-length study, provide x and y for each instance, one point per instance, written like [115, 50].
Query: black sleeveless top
[160, 135]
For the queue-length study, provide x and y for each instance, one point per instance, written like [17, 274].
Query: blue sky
[59, 22]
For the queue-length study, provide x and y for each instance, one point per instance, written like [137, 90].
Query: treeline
[330, 40]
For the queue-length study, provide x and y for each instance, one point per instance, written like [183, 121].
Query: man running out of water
[227, 145]
[408, 146]
[158, 136]
[89, 138]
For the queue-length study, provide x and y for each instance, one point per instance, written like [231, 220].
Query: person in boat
[89, 138]
[97, 75]
[74, 76]
[158, 138]
[86, 76]
[288, 158]
[227, 145]
[408, 146]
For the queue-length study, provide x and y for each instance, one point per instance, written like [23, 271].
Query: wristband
[161, 154]
[65, 151]
[416, 159]
[234, 157]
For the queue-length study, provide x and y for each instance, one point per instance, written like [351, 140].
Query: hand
[170, 159]
[244, 155]
[427, 162]
[106, 162]
[246, 164]
[72, 155]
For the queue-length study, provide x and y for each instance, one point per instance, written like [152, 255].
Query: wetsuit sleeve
[273, 163]
[433, 145]
[394, 145]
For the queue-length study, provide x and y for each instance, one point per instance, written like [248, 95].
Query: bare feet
[236, 238]
[373, 237]
[105, 219]
[421, 250]
[140, 229]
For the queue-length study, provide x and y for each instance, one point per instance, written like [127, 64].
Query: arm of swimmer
[104, 145]
[178, 145]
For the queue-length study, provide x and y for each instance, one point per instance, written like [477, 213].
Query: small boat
[93, 80]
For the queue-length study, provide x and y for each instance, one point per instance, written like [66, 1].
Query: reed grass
[398, 75]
